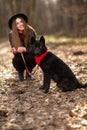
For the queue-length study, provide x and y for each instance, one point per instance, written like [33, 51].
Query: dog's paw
[45, 91]
[41, 88]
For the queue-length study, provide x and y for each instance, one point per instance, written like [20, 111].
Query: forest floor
[24, 107]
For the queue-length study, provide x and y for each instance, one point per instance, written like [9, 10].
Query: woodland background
[58, 17]
[22, 105]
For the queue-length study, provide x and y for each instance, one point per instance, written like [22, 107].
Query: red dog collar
[39, 58]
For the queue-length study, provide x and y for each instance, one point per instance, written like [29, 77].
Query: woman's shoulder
[31, 28]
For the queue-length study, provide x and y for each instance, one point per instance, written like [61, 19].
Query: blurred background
[48, 17]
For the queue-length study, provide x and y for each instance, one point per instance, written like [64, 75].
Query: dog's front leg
[46, 82]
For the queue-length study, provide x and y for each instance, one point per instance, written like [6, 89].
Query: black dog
[53, 67]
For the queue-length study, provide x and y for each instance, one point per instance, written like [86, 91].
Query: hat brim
[17, 16]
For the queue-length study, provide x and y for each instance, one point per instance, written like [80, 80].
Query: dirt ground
[24, 107]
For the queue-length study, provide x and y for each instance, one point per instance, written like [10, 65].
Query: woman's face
[19, 24]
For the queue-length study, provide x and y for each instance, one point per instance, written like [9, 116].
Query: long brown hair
[15, 36]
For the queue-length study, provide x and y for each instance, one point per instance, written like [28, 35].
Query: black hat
[16, 16]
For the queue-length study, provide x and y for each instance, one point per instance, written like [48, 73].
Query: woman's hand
[13, 50]
[21, 49]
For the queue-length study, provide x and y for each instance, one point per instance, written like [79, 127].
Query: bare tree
[59, 17]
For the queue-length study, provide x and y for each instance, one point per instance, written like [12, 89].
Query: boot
[28, 77]
[20, 77]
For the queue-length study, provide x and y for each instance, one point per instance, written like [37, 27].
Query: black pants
[19, 65]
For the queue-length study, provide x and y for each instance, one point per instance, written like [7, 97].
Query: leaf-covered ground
[24, 107]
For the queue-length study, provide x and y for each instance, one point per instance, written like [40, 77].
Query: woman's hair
[15, 36]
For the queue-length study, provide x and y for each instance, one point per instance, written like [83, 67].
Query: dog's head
[37, 47]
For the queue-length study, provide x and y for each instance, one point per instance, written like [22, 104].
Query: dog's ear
[32, 39]
[42, 39]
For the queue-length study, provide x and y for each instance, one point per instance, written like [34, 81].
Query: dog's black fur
[53, 68]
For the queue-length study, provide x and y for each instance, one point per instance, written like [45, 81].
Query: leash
[27, 67]
[25, 64]
[38, 59]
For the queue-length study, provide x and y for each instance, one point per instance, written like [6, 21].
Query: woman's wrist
[21, 49]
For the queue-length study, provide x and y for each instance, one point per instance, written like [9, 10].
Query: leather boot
[28, 77]
[20, 77]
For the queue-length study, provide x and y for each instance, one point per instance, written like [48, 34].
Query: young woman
[19, 36]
